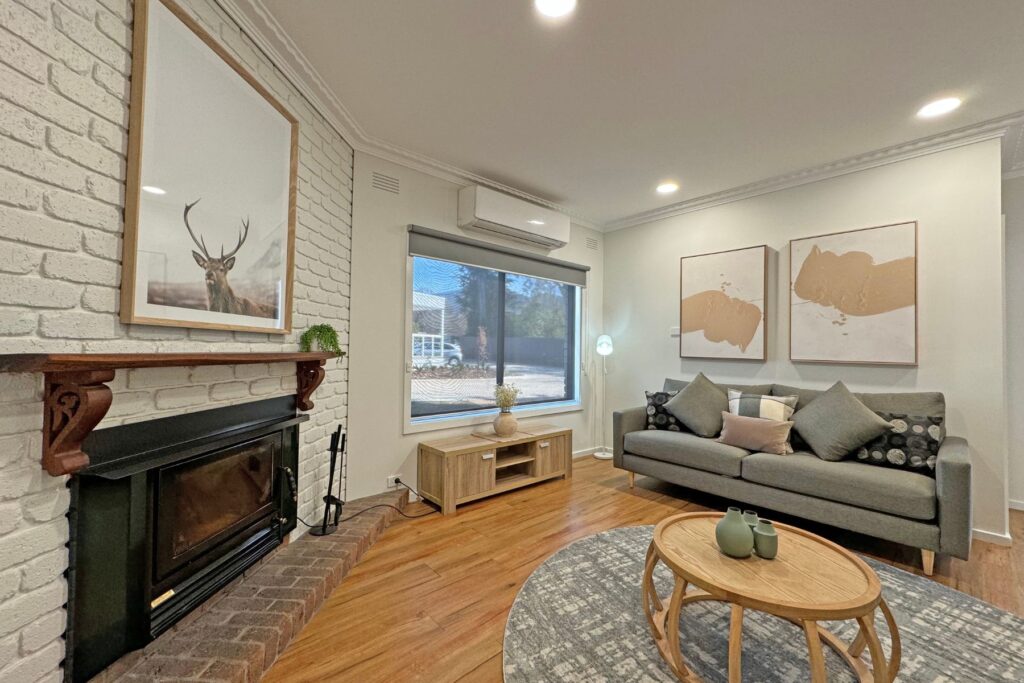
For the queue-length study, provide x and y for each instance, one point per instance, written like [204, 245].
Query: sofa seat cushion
[896, 492]
[688, 450]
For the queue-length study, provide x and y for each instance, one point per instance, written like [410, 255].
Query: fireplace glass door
[204, 503]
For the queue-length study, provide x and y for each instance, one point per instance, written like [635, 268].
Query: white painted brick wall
[64, 83]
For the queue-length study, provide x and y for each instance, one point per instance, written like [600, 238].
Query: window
[475, 327]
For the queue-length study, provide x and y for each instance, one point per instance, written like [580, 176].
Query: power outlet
[391, 483]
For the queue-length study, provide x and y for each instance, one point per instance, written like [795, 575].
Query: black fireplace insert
[168, 512]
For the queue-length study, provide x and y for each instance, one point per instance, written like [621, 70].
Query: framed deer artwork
[853, 296]
[210, 201]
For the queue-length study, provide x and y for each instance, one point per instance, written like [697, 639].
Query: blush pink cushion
[756, 434]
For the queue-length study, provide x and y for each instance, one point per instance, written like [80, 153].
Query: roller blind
[447, 247]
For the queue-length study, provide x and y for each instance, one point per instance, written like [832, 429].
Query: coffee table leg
[857, 646]
[815, 654]
[675, 606]
[735, 644]
[879, 666]
[649, 594]
[894, 635]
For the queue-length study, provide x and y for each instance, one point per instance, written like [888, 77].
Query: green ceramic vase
[733, 536]
[766, 541]
[750, 517]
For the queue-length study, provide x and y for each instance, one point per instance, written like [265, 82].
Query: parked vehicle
[452, 354]
[429, 351]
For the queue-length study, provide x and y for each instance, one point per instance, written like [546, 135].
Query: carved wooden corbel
[309, 375]
[73, 404]
[76, 395]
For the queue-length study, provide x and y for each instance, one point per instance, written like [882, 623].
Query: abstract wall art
[210, 198]
[722, 304]
[853, 296]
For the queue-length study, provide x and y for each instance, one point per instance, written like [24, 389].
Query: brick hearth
[237, 634]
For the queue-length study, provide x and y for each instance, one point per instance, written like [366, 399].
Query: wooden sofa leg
[928, 561]
[632, 479]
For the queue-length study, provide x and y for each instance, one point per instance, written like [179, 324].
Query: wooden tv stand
[465, 468]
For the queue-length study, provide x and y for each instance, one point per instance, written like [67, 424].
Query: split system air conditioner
[484, 209]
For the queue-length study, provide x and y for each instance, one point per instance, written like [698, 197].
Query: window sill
[486, 417]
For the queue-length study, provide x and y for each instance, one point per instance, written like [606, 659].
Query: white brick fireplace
[64, 79]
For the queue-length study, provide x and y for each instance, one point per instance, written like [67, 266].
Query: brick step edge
[238, 634]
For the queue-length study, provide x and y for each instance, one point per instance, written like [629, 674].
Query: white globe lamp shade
[604, 345]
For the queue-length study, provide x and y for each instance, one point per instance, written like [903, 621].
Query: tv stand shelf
[510, 460]
[466, 468]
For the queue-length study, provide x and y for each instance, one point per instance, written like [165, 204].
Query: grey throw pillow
[700, 405]
[836, 423]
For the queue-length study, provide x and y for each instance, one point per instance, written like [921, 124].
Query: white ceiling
[592, 113]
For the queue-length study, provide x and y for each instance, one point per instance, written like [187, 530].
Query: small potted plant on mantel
[505, 396]
[320, 337]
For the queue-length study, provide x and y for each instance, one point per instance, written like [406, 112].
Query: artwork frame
[890, 272]
[259, 296]
[735, 330]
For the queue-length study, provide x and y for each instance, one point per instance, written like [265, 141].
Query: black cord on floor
[402, 483]
[387, 505]
[300, 519]
[380, 505]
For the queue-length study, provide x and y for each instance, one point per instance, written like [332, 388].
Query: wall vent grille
[385, 182]
[593, 244]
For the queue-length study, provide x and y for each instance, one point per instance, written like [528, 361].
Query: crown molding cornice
[988, 130]
[263, 29]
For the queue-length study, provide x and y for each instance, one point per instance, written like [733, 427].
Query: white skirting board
[992, 537]
[576, 455]
[1016, 504]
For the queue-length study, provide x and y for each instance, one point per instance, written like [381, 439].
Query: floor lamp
[604, 349]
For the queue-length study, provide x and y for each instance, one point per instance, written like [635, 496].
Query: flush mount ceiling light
[535, 222]
[667, 188]
[152, 189]
[555, 9]
[938, 107]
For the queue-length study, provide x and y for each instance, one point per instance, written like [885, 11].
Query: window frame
[414, 425]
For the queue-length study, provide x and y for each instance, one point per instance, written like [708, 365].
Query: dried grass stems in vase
[505, 397]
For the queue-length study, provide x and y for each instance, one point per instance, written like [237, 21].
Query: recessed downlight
[153, 189]
[535, 222]
[939, 107]
[555, 9]
[667, 187]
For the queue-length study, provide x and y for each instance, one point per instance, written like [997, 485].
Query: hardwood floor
[428, 602]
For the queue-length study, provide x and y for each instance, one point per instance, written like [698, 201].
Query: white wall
[377, 446]
[1013, 209]
[64, 72]
[955, 196]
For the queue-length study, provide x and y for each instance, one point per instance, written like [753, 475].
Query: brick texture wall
[64, 80]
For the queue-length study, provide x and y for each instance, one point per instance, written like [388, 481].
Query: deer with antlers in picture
[219, 295]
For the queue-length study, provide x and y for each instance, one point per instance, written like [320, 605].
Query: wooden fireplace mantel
[76, 395]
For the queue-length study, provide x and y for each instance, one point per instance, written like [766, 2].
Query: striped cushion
[779, 408]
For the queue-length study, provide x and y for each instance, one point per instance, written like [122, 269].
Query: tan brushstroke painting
[854, 296]
[722, 304]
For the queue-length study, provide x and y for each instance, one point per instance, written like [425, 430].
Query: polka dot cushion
[657, 416]
[911, 444]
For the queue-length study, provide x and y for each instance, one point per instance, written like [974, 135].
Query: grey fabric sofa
[914, 509]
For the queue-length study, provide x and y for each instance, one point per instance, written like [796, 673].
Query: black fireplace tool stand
[328, 526]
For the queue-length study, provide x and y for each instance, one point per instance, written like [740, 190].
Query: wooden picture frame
[725, 300]
[859, 295]
[271, 275]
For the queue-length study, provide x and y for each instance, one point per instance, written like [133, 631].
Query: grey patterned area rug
[578, 618]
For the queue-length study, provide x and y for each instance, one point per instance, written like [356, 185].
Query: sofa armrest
[953, 493]
[624, 422]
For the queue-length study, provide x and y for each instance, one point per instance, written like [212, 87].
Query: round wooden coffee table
[810, 580]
